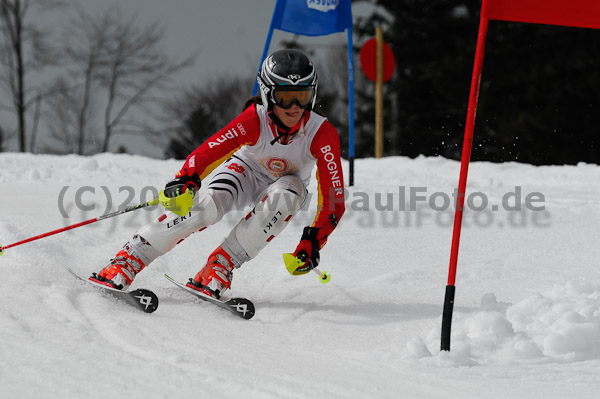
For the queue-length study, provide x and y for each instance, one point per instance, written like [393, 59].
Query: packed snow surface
[526, 315]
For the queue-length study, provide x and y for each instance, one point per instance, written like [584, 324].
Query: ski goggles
[285, 97]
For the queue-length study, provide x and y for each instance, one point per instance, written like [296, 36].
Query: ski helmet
[288, 77]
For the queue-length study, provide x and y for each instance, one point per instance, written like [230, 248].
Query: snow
[527, 311]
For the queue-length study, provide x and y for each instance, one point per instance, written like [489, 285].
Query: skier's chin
[289, 117]
[292, 118]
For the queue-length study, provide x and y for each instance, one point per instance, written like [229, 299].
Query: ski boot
[120, 272]
[215, 277]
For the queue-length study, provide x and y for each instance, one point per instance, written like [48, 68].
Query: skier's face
[291, 116]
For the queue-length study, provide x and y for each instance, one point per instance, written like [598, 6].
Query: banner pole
[350, 107]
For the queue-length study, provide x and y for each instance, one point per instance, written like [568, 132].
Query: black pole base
[447, 317]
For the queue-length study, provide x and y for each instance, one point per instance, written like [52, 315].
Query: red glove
[308, 249]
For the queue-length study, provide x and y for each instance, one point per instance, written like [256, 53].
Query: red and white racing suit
[254, 165]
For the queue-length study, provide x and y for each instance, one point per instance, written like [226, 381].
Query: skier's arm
[330, 182]
[243, 130]
[330, 208]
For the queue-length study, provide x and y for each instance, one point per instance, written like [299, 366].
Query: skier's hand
[181, 184]
[308, 250]
[178, 195]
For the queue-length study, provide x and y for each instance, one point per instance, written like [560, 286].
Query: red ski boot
[215, 277]
[120, 272]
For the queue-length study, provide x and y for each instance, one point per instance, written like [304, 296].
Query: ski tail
[141, 298]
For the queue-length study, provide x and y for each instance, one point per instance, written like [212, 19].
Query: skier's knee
[271, 215]
[286, 194]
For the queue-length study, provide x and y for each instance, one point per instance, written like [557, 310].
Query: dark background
[539, 101]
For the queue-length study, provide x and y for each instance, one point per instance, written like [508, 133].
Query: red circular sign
[368, 60]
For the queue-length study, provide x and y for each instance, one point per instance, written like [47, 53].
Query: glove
[181, 184]
[178, 195]
[308, 250]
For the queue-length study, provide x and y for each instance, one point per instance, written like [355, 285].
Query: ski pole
[74, 226]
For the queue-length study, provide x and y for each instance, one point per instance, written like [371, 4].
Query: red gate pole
[462, 183]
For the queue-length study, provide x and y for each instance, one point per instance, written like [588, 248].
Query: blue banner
[312, 17]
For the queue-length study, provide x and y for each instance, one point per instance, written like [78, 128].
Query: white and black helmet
[284, 72]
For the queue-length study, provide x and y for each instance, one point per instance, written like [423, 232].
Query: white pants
[234, 186]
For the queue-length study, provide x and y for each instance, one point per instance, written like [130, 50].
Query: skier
[263, 158]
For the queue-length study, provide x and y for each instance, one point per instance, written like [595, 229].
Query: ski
[240, 307]
[142, 299]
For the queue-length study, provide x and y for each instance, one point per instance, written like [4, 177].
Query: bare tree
[25, 48]
[116, 66]
[202, 110]
[137, 64]
[84, 51]
[65, 110]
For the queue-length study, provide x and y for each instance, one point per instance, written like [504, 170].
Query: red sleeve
[330, 181]
[243, 130]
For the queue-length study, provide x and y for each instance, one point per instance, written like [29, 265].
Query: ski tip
[1, 252]
[73, 273]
